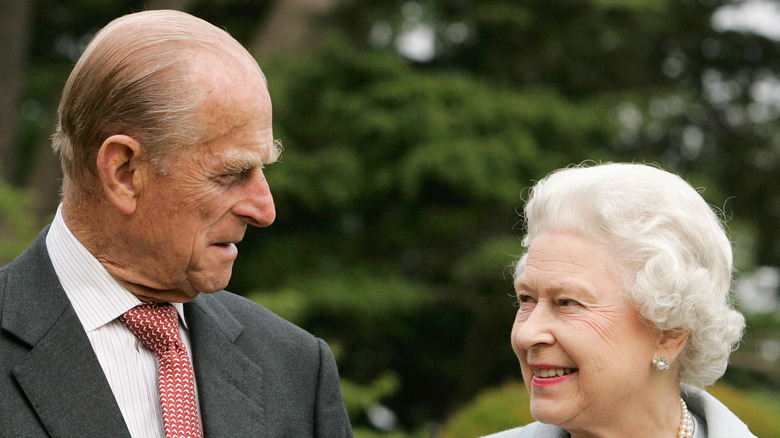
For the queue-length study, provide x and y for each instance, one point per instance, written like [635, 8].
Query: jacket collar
[230, 385]
[65, 384]
[60, 375]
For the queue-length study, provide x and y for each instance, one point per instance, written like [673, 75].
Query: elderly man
[113, 322]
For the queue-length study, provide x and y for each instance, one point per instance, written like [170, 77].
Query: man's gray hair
[134, 79]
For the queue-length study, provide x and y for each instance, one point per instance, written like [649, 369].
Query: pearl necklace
[686, 422]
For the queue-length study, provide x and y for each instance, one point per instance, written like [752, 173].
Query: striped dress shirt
[98, 299]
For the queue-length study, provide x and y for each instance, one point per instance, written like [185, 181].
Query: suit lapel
[60, 376]
[231, 399]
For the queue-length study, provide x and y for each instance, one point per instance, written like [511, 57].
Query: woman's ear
[118, 167]
[671, 344]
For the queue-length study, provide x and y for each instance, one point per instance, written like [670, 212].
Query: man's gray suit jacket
[257, 374]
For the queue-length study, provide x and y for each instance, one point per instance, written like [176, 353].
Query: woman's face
[584, 351]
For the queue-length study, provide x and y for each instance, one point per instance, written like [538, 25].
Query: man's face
[190, 219]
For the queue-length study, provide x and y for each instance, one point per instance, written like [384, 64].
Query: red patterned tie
[157, 326]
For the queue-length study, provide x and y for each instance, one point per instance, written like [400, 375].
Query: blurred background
[412, 130]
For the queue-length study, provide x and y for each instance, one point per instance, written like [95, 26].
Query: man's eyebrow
[248, 160]
[243, 162]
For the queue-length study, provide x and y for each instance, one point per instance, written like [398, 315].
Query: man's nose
[257, 206]
[533, 330]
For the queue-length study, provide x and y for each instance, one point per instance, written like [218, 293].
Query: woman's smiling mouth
[553, 372]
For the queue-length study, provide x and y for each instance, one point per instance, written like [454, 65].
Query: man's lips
[228, 248]
[228, 242]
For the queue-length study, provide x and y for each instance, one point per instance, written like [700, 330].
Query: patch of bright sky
[757, 292]
[417, 40]
[756, 16]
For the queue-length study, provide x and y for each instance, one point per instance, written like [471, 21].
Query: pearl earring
[661, 363]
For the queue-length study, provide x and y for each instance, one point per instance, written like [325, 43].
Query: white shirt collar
[95, 295]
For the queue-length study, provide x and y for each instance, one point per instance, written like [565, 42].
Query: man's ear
[672, 344]
[118, 167]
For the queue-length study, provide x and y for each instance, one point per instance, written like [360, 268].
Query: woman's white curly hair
[675, 253]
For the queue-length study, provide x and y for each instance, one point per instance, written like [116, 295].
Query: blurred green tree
[411, 130]
[396, 201]
[507, 406]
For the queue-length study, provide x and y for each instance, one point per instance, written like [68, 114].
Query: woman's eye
[523, 300]
[568, 302]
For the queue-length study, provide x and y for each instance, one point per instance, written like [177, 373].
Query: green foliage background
[399, 189]
[506, 406]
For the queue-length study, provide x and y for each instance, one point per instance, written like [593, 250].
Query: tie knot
[154, 324]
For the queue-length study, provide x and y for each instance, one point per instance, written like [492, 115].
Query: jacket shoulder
[720, 421]
[533, 430]
[253, 315]
[31, 269]
[253, 326]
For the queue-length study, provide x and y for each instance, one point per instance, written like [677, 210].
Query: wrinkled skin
[170, 237]
[572, 315]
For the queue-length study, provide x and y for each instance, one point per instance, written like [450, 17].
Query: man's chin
[209, 282]
[200, 284]
[165, 296]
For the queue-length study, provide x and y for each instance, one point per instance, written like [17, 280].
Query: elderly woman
[623, 307]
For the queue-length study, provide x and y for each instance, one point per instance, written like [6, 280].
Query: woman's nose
[533, 330]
